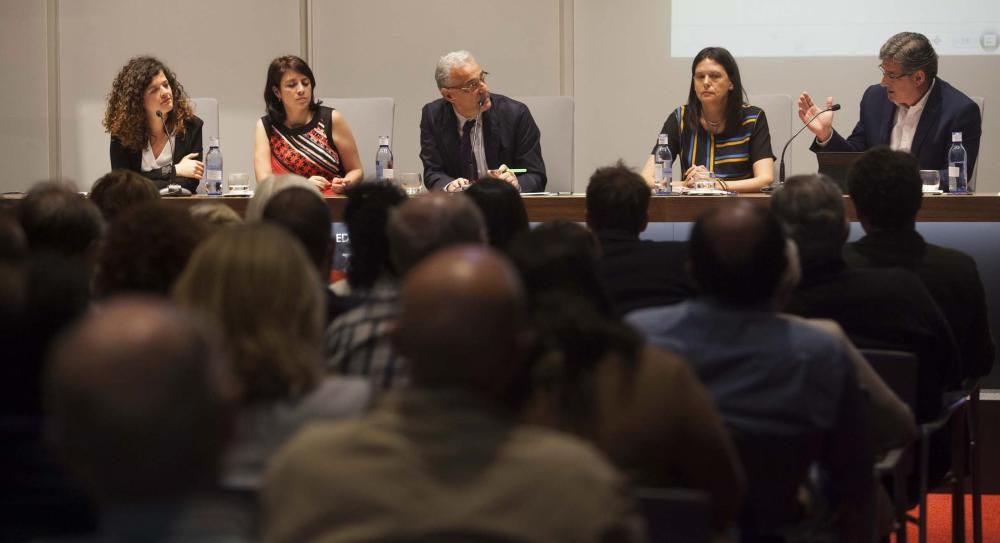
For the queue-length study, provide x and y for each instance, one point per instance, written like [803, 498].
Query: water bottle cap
[383, 140]
[662, 139]
[956, 137]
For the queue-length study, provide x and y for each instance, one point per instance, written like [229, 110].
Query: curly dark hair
[125, 117]
[146, 250]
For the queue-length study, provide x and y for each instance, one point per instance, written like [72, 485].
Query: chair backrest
[899, 370]
[981, 102]
[554, 116]
[207, 109]
[678, 515]
[368, 118]
[778, 109]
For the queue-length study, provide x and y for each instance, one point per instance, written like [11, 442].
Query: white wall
[24, 110]
[359, 51]
[612, 56]
[218, 49]
[626, 85]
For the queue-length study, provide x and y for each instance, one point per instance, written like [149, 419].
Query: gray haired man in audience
[444, 459]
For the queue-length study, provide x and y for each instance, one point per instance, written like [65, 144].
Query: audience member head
[210, 215]
[270, 186]
[272, 88]
[305, 215]
[146, 250]
[811, 208]
[561, 256]
[57, 219]
[430, 222]
[120, 189]
[738, 254]
[258, 284]
[133, 101]
[366, 215]
[617, 199]
[13, 264]
[886, 189]
[141, 403]
[477, 340]
[502, 209]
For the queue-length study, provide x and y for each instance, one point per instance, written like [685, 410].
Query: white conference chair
[554, 117]
[368, 118]
[778, 109]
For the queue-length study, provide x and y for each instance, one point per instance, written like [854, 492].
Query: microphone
[159, 114]
[781, 167]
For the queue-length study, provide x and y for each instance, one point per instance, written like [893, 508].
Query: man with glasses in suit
[910, 110]
[470, 133]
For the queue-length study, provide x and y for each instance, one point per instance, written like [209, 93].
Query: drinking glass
[411, 183]
[931, 180]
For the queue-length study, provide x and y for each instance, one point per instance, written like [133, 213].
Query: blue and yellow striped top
[730, 154]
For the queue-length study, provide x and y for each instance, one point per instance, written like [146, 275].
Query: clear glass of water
[411, 183]
[239, 182]
[704, 181]
[931, 180]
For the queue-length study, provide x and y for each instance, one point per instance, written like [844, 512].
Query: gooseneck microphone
[163, 123]
[781, 166]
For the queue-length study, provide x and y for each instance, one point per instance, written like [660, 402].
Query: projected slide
[798, 28]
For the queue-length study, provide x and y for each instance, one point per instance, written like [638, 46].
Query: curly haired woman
[153, 129]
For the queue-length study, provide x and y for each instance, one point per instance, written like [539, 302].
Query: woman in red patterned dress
[300, 136]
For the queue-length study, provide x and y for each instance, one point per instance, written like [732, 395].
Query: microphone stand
[781, 164]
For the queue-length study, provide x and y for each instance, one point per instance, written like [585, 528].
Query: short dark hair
[811, 208]
[306, 216]
[275, 110]
[503, 210]
[120, 189]
[366, 215]
[57, 218]
[886, 189]
[146, 250]
[617, 199]
[561, 256]
[740, 262]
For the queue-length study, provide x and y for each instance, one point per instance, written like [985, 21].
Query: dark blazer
[642, 273]
[510, 136]
[948, 110]
[951, 277]
[123, 158]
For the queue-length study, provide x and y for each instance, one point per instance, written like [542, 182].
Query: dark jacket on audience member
[123, 158]
[884, 309]
[642, 273]
[952, 279]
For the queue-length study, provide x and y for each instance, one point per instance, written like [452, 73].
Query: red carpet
[939, 527]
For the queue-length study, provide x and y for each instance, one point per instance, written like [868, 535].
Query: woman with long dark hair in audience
[153, 129]
[595, 377]
[263, 292]
[299, 135]
[502, 208]
[717, 130]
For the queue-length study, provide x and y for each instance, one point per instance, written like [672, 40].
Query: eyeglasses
[893, 76]
[473, 85]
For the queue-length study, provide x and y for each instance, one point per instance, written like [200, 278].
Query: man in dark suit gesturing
[910, 110]
[470, 133]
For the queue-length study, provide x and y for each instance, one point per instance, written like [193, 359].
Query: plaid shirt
[358, 342]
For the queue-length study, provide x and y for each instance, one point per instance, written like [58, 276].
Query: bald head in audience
[739, 254]
[141, 402]
[477, 339]
[430, 222]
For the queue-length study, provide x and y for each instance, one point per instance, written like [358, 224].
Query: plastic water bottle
[213, 168]
[958, 179]
[383, 159]
[663, 162]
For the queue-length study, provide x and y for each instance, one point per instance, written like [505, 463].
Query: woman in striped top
[717, 130]
[300, 136]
